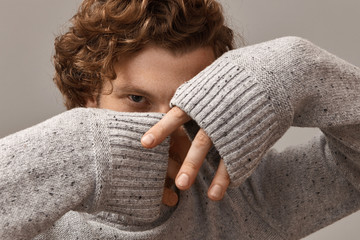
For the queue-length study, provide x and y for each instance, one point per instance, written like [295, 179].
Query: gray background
[28, 28]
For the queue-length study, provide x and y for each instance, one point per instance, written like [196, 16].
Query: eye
[136, 98]
[137, 103]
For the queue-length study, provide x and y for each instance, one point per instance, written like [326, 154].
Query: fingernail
[216, 192]
[183, 180]
[148, 139]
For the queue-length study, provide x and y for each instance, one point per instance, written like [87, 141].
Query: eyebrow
[129, 88]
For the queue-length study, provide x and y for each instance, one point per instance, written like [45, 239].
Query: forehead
[158, 65]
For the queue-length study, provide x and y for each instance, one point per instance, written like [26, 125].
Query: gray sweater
[84, 175]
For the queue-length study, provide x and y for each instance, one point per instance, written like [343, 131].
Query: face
[147, 81]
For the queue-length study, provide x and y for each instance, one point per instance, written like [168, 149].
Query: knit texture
[84, 175]
[245, 125]
[137, 175]
[86, 160]
[248, 98]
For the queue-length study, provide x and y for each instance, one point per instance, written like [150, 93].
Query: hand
[199, 148]
[179, 146]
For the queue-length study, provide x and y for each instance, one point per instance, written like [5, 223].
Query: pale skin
[146, 82]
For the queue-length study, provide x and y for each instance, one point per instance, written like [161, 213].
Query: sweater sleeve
[249, 97]
[83, 159]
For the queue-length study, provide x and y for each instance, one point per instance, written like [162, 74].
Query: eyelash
[135, 96]
[142, 105]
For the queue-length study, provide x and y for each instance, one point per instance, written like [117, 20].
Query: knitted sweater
[84, 175]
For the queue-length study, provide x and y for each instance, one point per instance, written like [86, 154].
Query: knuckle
[222, 180]
[222, 176]
[178, 113]
[202, 140]
[161, 129]
[226, 178]
[190, 165]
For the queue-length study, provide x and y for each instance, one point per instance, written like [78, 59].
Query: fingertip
[216, 192]
[183, 181]
[170, 198]
[147, 140]
[220, 183]
[173, 199]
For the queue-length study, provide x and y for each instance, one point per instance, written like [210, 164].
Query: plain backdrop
[28, 28]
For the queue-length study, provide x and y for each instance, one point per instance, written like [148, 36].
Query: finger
[169, 182]
[193, 160]
[180, 132]
[168, 124]
[220, 183]
[173, 168]
[170, 198]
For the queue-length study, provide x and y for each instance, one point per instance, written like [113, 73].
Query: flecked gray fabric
[84, 175]
[88, 160]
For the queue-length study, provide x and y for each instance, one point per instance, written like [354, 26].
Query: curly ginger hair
[103, 30]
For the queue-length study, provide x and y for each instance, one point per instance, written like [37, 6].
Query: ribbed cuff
[236, 113]
[131, 178]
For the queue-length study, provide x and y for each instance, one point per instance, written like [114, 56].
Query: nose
[163, 108]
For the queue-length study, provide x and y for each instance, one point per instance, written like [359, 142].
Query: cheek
[108, 102]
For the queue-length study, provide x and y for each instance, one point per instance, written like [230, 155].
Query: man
[88, 177]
